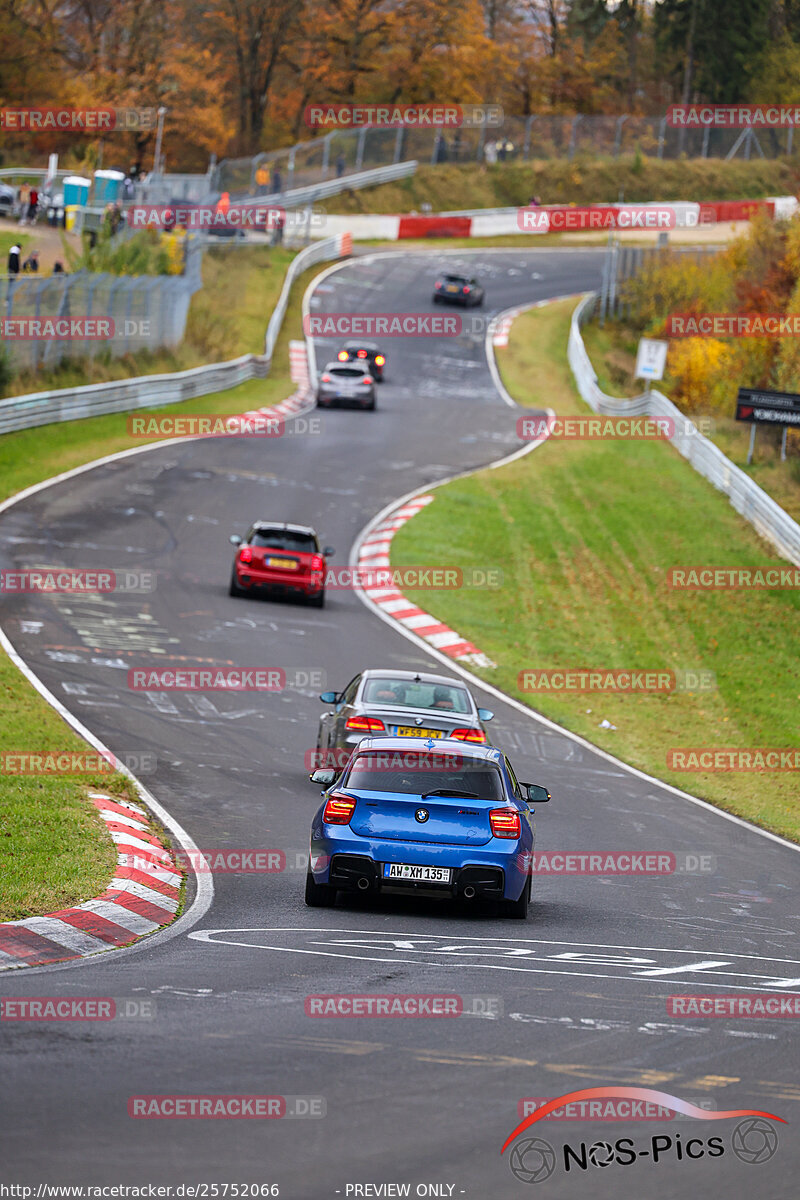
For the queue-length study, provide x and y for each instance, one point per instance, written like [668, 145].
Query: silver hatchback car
[397, 704]
[346, 383]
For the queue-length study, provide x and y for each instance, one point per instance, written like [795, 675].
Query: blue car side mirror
[324, 776]
[535, 794]
[328, 697]
[485, 714]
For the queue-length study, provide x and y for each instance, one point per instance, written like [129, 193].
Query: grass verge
[54, 849]
[585, 533]
[612, 350]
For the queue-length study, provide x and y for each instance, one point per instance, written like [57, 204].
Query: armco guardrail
[764, 514]
[149, 391]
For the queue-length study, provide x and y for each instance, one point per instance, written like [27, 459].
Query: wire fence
[118, 314]
[343, 152]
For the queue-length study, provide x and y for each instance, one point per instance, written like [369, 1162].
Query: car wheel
[317, 601]
[437, 299]
[518, 909]
[234, 589]
[319, 895]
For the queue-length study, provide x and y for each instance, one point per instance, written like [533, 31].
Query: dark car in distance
[458, 289]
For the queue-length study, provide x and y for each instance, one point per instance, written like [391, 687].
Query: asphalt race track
[573, 998]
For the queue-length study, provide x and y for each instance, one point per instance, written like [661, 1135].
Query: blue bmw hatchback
[437, 818]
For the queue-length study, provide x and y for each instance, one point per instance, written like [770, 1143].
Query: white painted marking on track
[529, 955]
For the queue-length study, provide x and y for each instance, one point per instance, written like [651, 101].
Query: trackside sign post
[651, 359]
[768, 408]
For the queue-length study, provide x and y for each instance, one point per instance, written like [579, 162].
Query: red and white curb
[374, 553]
[300, 399]
[142, 897]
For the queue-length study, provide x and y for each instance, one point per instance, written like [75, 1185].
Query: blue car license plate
[407, 871]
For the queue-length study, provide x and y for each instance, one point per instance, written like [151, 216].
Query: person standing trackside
[13, 261]
[24, 200]
[32, 205]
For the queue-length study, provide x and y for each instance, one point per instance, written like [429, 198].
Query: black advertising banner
[768, 408]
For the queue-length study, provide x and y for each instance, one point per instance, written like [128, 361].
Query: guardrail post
[326, 154]
[706, 135]
[612, 284]
[362, 136]
[573, 136]
[526, 149]
[37, 309]
[618, 134]
[290, 168]
[398, 145]
[789, 139]
[481, 142]
[662, 128]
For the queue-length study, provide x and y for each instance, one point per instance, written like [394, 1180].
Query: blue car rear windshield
[415, 772]
[405, 693]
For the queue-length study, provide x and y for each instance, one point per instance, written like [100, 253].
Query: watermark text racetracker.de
[75, 329]
[225, 1107]
[413, 577]
[402, 116]
[199, 425]
[75, 580]
[614, 680]
[225, 679]
[711, 578]
[568, 218]
[76, 120]
[733, 758]
[244, 217]
[77, 1008]
[436, 1006]
[605, 428]
[383, 325]
[77, 762]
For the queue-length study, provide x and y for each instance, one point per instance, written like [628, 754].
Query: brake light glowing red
[365, 725]
[468, 735]
[437, 285]
[362, 354]
[379, 360]
[245, 554]
[342, 356]
[326, 379]
[466, 291]
[317, 563]
[367, 379]
[505, 822]
[339, 809]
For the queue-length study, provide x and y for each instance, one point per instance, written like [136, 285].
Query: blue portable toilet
[107, 187]
[76, 189]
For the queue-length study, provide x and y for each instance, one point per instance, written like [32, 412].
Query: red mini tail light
[245, 554]
[466, 291]
[437, 285]
[365, 725]
[505, 822]
[339, 809]
[469, 735]
[317, 563]
[362, 354]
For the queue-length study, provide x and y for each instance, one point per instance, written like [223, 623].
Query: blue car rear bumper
[497, 869]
